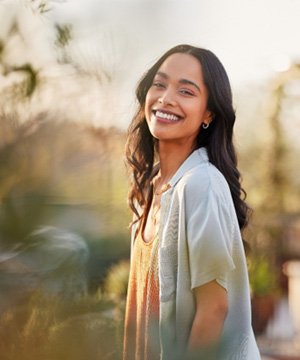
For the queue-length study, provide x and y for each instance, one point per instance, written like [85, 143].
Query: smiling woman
[178, 97]
[188, 293]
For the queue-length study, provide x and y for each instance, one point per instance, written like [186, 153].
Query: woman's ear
[208, 118]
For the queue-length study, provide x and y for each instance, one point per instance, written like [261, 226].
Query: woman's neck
[170, 158]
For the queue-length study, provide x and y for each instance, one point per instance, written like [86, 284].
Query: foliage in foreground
[48, 328]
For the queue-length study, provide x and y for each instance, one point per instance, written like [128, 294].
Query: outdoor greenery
[48, 328]
[262, 277]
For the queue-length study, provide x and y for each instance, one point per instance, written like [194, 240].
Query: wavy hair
[217, 139]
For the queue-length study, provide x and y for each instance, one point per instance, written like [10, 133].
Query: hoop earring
[205, 126]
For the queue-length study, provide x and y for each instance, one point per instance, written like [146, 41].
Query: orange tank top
[141, 338]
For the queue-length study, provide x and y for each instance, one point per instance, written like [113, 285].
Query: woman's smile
[165, 116]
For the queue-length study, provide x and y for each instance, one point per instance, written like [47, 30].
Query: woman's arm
[211, 311]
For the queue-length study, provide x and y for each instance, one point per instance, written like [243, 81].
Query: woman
[188, 293]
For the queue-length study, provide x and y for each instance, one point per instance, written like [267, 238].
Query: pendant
[164, 188]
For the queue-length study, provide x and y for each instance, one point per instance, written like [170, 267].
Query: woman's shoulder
[203, 179]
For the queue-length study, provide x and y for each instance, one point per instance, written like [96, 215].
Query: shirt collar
[197, 157]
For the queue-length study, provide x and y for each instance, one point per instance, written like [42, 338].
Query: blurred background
[68, 71]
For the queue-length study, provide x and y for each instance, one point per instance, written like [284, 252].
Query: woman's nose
[167, 98]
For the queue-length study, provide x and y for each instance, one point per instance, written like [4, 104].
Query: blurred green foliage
[63, 34]
[63, 174]
[263, 280]
[70, 176]
[116, 281]
[49, 329]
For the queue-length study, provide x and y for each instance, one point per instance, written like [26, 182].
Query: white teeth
[167, 116]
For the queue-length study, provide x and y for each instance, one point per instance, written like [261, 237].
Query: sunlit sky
[253, 38]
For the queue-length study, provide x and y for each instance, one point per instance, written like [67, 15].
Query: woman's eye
[186, 92]
[158, 84]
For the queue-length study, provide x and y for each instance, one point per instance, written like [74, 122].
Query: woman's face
[176, 103]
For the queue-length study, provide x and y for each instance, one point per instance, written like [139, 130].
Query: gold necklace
[164, 188]
[154, 214]
[156, 209]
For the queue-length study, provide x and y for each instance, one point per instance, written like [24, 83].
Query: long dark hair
[217, 139]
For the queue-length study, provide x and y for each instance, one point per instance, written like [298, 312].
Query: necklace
[156, 207]
[154, 214]
[164, 188]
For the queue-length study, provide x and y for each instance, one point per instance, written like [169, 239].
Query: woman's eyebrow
[181, 81]
[189, 82]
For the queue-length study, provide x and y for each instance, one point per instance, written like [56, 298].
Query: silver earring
[205, 126]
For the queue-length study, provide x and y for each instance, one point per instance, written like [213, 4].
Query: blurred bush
[66, 175]
[116, 281]
[263, 279]
[46, 328]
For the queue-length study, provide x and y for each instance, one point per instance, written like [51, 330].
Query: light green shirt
[200, 241]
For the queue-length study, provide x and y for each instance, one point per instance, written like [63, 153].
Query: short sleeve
[209, 237]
